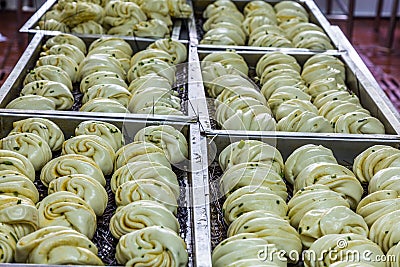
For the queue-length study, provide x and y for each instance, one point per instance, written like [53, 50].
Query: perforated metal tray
[179, 30]
[14, 83]
[359, 81]
[345, 150]
[103, 239]
[315, 16]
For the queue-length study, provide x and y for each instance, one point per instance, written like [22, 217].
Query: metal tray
[179, 30]
[14, 83]
[103, 238]
[286, 145]
[358, 81]
[316, 16]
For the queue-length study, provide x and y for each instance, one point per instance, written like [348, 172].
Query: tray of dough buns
[284, 201]
[306, 92]
[151, 19]
[106, 76]
[95, 192]
[262, 25]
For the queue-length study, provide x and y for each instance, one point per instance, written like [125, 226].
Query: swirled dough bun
[30, 145]
[94, 147]
[280, 80]
[251, 23]
[386, 179]
[115, 42]
[141, 214]
[374, 159]
[61, 61]
[255, 118]
[52, 25]
[118, 13]
[75, 13]
[13, 161]
[290, 5]
[176, 49]
[84, 186]
[45, 128]
[71, 164]
[342, 245]
[104, 105]
[154, 97]
[251, 248]
[146, 189]
[150, 245]
[359, 123]
[160, 110]
[377, 204]
[244, 200]
[334, 94]
[285, 93]
[65, 39]
[320, 86]
[211, 71]
[231, 105]
[299, 27]
[394, 253]
[304, 156]
[133, 171]
[257, 174]
[333, 110]
[384, 231]
[122, 57]
[108, 91]
[54, 91]
[151, 53]
[88, 27]
[257, 5]
[29, 101]
[67, 209]
[68, 50]
[216, 4]
[158, 6]
[289, 106]
[100, 62]
[155, 28]
[311, 198]
[101, 77]
[140, 151]
[337, 177]
[152, 66]
[335, 220]
[13, 183]
[141, 83]
[8, 243]
[250, 151]
[219, 84]
[57, 245]
[270, 227]
[313, 40]
[50, 73]
[107, 131]
[227, 58]
[179, 9]
[18, 213]
[166, 137]
[275, 58]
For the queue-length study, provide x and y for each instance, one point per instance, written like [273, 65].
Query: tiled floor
[384, 64]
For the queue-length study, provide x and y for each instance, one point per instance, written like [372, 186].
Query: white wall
[364, 8]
